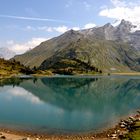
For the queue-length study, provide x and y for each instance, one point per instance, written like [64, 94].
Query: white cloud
[45, 28]
[18, 92]
[20, 48]
[61, 29]
[89, 25]
[49, 29]
[116, 23]
[30, 28]
[123, 10]
[118, 2]
[10, 42]
[76, 28]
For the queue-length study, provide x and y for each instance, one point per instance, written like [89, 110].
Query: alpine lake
[67, 104]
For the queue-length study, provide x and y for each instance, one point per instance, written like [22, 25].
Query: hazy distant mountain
[107, 48]
[6, 53]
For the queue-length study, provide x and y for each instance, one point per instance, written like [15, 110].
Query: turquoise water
[67, 104]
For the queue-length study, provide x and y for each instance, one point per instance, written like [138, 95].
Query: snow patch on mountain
[135, 28]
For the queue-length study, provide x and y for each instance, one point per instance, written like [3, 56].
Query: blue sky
[25, 23]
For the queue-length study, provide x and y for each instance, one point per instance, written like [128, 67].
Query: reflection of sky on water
[55, 104]
[18, 92]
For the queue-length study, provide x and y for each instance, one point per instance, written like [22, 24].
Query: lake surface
[67, 104]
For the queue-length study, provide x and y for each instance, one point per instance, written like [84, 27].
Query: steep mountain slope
[106, 49]
[48, 49]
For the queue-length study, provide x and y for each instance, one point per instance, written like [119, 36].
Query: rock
[127, 121]
[130, 121]
[118, 131]
[132, 118]
[123, 123]
[121, 136]
[114, 136]
[122, 126]
[138, 111]
[108, 135]
[123, 132]
[3, 137]
[26, 138]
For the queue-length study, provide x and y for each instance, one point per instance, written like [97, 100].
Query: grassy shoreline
[51, 74]
[128, 74]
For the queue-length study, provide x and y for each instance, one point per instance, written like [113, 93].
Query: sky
[24, 24]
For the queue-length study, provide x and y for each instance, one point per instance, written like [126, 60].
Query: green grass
[11, 68]
[134, 134]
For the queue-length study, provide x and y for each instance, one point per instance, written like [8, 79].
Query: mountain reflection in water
[68, 104]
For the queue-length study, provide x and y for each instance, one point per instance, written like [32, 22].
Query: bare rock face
[125, 32]
[122, 32]
[135, 40]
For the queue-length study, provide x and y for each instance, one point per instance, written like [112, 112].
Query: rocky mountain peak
[72, 32]
[108, 25]
[123, 21]
[125, 26]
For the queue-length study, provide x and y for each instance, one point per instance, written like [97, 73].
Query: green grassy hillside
[75, 52]
[11, 68]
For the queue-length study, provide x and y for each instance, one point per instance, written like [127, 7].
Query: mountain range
[106, 49]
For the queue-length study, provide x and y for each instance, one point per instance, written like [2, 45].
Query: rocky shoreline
[121, 131]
